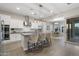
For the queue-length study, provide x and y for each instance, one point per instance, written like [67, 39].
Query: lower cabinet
[15, 37]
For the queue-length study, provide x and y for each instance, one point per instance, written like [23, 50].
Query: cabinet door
[20, 24]
[6, 19]
[16, 23]
[13, 24]
[15, 37]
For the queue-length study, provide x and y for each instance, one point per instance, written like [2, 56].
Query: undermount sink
[28, 33]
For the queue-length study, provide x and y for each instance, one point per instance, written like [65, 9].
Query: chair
[45, 43]
[30, 47]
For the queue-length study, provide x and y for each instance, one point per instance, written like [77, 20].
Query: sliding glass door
[76, 31]
[73, 30]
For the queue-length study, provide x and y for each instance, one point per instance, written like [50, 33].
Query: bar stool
[30, 47]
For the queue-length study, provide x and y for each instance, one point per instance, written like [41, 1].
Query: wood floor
[56, 49]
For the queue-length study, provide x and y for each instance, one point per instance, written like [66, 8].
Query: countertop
[24, 33]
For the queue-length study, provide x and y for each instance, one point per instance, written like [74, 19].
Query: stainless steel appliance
[5, 29]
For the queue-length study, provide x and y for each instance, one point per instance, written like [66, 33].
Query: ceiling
[37, 10]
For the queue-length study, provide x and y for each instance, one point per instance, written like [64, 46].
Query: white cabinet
[15, 37]
[16, 23]
[6, 19]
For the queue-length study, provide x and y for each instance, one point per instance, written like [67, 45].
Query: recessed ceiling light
[33, 13]
[51, 11]
[18, 8]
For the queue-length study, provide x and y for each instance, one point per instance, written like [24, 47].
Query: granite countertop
[24, 33]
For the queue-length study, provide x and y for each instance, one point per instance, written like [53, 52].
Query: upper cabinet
[15, 23]
[5, 19]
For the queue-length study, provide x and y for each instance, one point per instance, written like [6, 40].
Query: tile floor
[56, 49]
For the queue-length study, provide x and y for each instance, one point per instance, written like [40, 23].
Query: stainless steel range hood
[27, 22]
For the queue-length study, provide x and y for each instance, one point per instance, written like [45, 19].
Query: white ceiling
[48, 9]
